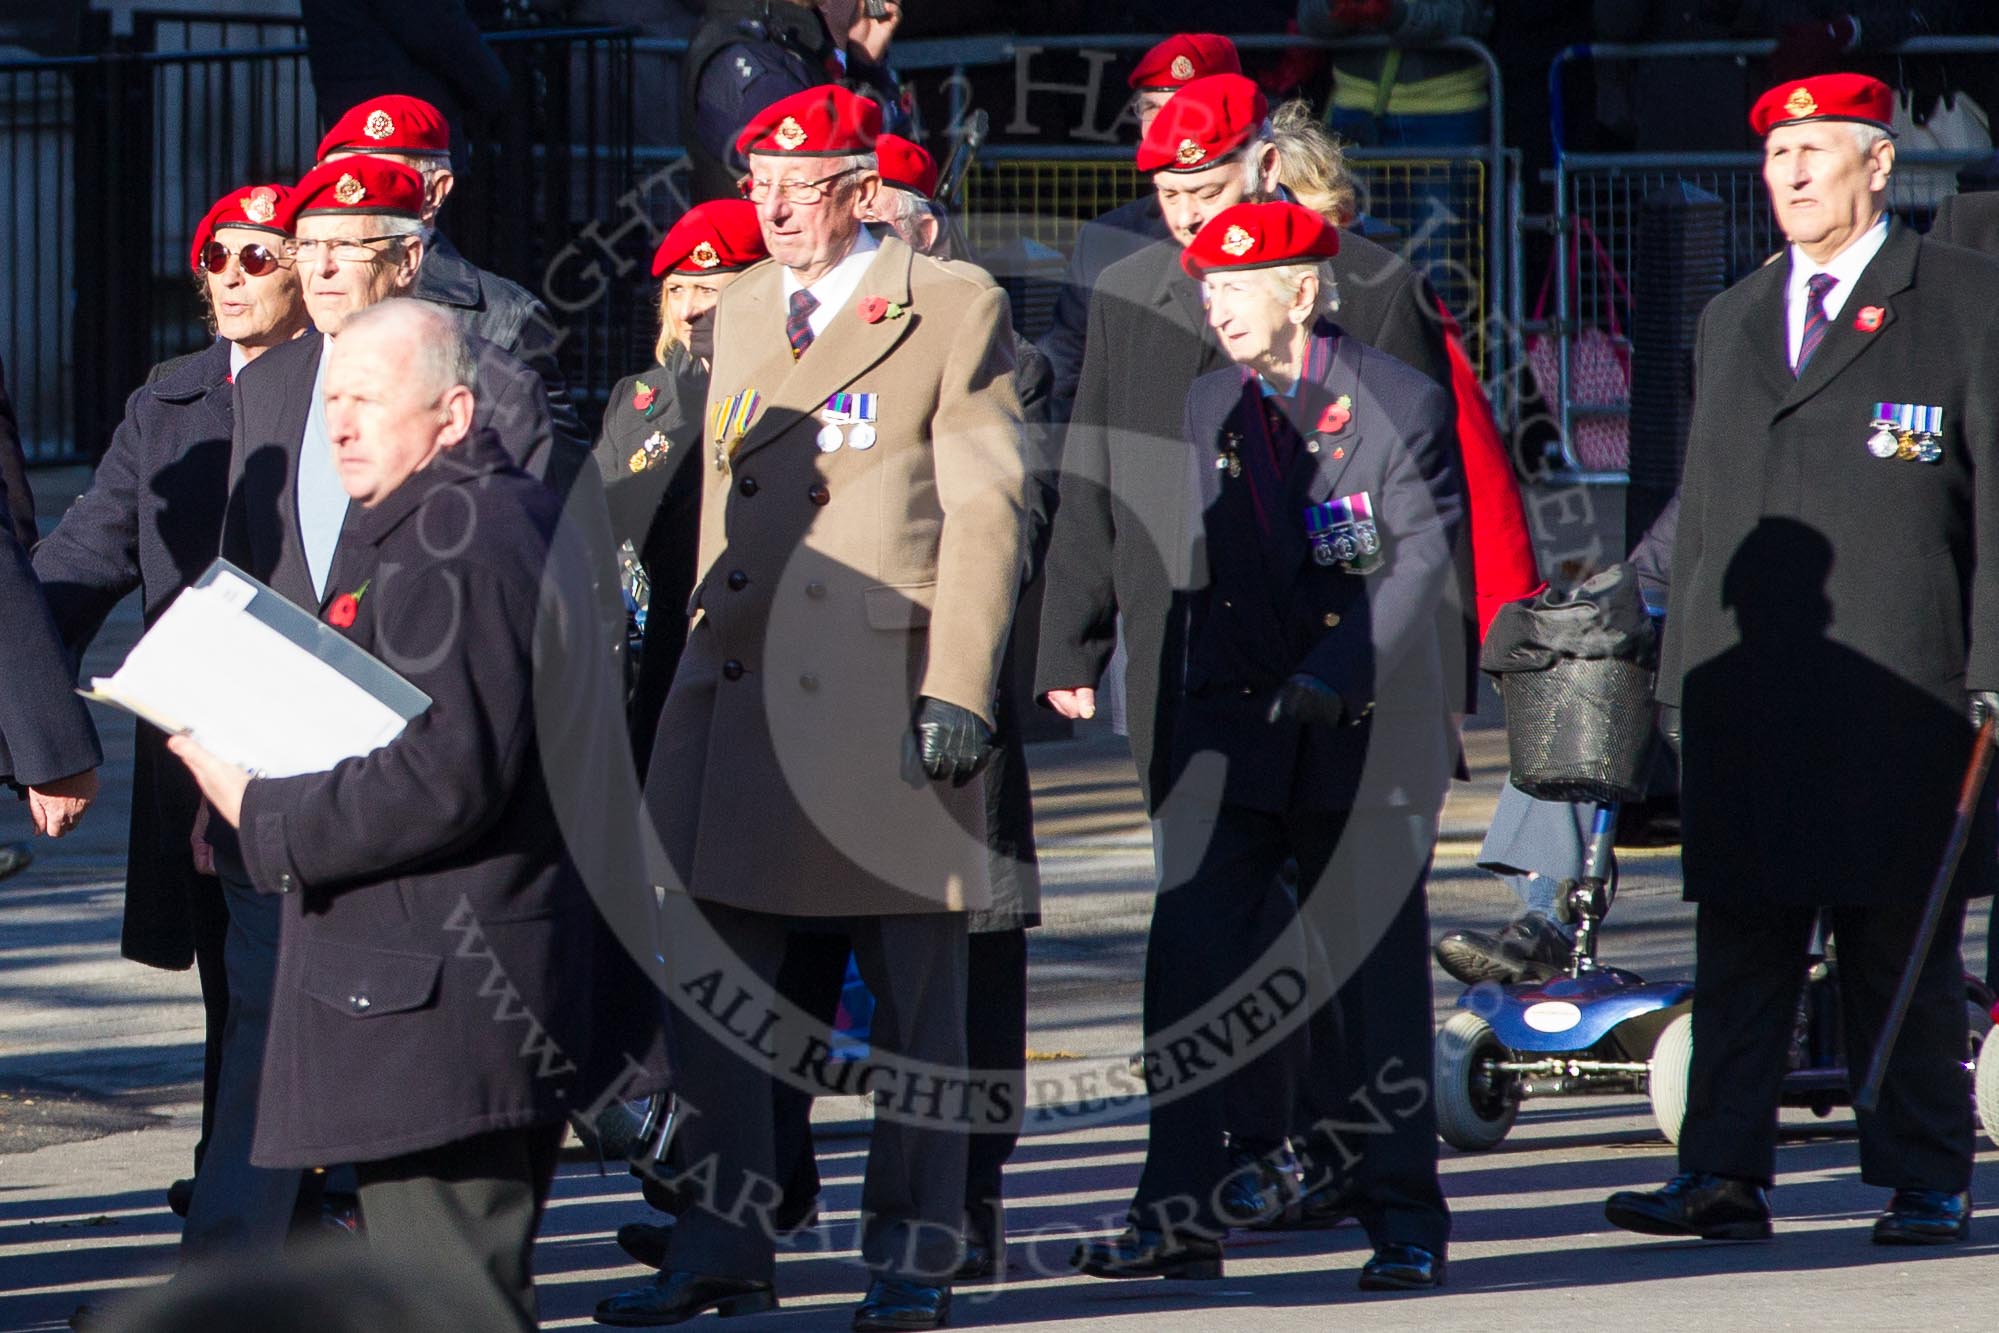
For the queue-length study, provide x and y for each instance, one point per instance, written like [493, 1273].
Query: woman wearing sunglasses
[152, 519]
[653, 423]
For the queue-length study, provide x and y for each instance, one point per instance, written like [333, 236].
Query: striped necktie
[798, 324]
[1816, 319]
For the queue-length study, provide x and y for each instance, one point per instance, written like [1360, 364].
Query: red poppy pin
[1869, 319]
[1336, 416]
[346, 607]
[874, 309]
[642, 396]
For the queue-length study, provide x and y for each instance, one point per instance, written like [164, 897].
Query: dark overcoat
[1386, 641]
[1121, 539]
[1969, 220]
[19, 512]
[45, 733]
[443, 970]
[1100, 242]
[151, 520]
[1831, 608]
[509, 316]
[654, 492]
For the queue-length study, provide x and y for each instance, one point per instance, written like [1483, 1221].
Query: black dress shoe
[896, 1303]
[983, 1261]
[179, 1195]
[1924, 1217]
[677, 1297]
[1319, 1209]
[1531, 948]
[1259, 1189]
[645, 1242]
[1695, 1203]
[1402, 1268]
[1143, 1252]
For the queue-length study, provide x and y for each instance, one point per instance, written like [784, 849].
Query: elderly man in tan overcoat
[863, 533]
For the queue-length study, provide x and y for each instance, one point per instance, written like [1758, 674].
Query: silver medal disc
[861, 437]
[1882, 443]
[828, 439]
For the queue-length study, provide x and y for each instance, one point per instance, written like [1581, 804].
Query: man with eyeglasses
[415, 133]
[151, 521]
[864, 531]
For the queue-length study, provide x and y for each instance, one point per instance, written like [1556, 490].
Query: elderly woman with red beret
[653, 424]
[1311, 720]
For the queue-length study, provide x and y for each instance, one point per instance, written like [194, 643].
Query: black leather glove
[1984, 704]
[945, 741]
[1306, 699]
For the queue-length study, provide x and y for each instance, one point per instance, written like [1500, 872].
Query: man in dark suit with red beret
[1835, 609]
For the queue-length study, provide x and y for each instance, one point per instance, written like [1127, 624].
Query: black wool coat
[1969, 220]
[1830, 608]
[1100, 242]
[151, 520]
[657, 507]
[445, 968]
[45, 733]
[19, 511]
[1121, 540]
[1386, 641]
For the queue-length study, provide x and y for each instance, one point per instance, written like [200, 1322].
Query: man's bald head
[399, 391]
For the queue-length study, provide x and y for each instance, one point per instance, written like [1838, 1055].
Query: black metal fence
[106, 161]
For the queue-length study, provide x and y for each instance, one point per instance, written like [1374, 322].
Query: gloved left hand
[945, 741]
[1306, 699]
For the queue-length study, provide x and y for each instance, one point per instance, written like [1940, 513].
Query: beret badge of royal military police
[1183, 68]
[1237, 242]
[348, 192]
[379, 126]
[261, 204]
[1188, 153]
[703, 256]
[790, 134]
[1801, 103]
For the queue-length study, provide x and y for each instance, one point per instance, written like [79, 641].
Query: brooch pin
[346, 607]
[874, 309]
[1869, 319]
[1337, 414]
[649, 452]
[643, 395]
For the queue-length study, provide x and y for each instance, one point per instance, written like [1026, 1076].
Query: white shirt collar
[238, 358]
[835, 289]
[1845, 268]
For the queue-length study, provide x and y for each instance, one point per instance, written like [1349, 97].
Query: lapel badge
[650, 452]
[1337, 415]
[643, 395]
[261, 204]
[1869, 319]
[790, 134]
[348, 192]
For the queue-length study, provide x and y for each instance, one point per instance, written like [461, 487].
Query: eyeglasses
[793, 192]
[359, 251]
[256, 260]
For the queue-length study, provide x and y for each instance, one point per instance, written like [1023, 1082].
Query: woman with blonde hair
[1311, 166]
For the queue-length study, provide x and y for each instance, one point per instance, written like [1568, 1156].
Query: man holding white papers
[151, 520]
[443, 985]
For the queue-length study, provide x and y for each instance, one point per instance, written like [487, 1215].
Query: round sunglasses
[257, 260]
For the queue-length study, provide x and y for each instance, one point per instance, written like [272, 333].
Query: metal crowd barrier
[1600, 194]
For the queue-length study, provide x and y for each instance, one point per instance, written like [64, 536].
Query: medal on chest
[731, 422]
[849, 420]
[1344, 534]
[1906, 432]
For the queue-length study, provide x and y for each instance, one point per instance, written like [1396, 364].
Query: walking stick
[1869, 1093]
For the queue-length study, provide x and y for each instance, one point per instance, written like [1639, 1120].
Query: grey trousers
[913, 1198]
[241, 1210]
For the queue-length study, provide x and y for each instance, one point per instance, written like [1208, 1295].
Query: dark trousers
[465, 1214]
[240, 1209]
[813, 974]
[208, 915]
[1212, 952]
[1749, 972]
[914, 1192]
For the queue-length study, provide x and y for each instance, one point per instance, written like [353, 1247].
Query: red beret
[263, 207]
[1854, 97]
[1259, 236]
[1184, 57]
[393, 124]
[362, 184]
[906, 165]
[1203, 123]
[720, 236]
[826, 121]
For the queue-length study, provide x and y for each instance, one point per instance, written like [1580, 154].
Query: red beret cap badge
[1188, 154]
[1869, 319]
[349, 192]
[1183, 68]
[261, 204]
[790, 134]
[1801, 103]
[380, 125]
[703, 256]
[1237, 242]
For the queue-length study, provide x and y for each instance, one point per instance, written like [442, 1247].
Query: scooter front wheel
[1476, 1104]
[1666, 1082]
